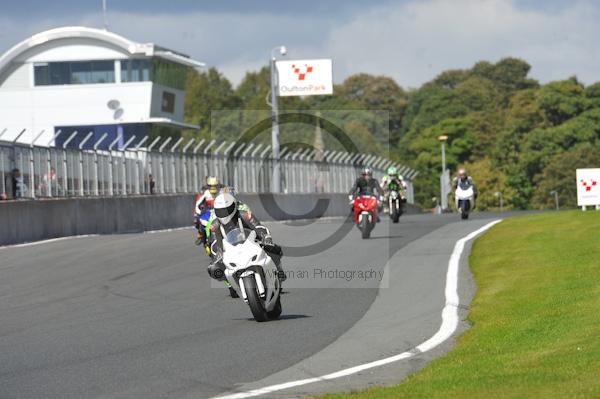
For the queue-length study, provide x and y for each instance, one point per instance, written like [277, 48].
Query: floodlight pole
[443, 193]
[276, 180]
[499, 195]
[555, 194]
[104, 14]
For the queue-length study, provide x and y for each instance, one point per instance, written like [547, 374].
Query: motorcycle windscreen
[237, 236]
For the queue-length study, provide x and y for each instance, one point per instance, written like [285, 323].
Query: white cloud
[416, 41]
[236, 69]
[411, 41]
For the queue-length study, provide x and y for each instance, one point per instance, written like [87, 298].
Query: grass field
[535, 318]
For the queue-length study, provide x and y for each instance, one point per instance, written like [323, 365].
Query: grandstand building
[84, 79]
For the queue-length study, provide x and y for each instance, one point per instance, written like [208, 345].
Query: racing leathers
[243, 219]
[393, 183]
[364, 185]
[204, 203]
[388, 180]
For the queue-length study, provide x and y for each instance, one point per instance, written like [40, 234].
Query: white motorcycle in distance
[464, 197]
[252, 274]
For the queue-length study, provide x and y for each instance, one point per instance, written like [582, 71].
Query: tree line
[513, 134]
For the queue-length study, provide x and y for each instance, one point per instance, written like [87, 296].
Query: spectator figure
[319, 183]
[8, 186]
[19, 188]
[49, 182]
[151, 184]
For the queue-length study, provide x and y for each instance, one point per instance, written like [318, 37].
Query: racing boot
[199, 239]
[280, 273]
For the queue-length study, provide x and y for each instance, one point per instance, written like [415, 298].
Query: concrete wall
[296, 206]
[26, 221]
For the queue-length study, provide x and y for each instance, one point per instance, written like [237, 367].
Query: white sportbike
[465, 199]
[252, 273]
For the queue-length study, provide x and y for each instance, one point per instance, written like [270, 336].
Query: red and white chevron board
[304, 77]
[588, 186]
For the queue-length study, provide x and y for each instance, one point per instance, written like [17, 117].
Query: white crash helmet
[225, 207]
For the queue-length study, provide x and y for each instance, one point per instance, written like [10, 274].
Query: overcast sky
[411, 40]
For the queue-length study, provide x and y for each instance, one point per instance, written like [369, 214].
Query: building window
[78, 72]
[169, 74]
[168, 102]
[135, 70]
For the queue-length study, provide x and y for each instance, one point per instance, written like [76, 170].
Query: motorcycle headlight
[231, 265]
[258, 259]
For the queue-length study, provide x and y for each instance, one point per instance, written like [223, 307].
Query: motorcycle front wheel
[395, 212]
[256, 306]
[365, 229]
[464, 210]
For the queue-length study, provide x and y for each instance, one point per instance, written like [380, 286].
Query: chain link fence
[138, 166]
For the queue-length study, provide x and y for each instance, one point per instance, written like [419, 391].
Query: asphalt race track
[136, 315]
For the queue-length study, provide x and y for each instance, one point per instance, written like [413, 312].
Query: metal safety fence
[96, 167]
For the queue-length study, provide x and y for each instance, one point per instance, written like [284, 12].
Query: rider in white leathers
[465, 181]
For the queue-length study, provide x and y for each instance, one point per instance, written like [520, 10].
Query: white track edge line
[46, 241]
[50, 240]
[448, 327]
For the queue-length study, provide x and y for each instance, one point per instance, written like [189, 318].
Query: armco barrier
[26, 221]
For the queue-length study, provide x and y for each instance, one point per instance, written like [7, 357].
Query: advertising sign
[304, 77]
[588, 187]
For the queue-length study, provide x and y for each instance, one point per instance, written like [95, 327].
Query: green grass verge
[535, 318]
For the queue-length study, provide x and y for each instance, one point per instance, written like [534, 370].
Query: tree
[490, 180]
[562, 100]
[254, 88]
[478, 94]
[449, 79]
[592, 94]
[377, 93]
[509, 75]
[206, 92]
[542, 144]
[559, 175]
[427, 107]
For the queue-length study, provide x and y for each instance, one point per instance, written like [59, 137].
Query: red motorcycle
[365, 213]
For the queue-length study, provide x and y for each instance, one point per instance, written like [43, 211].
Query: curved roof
[90, 33]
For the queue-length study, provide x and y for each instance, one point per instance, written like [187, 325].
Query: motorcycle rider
[465, 181]
[230, 215]
[366, 184]
[204, 202]
[393, 179]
